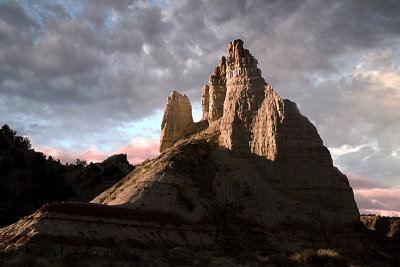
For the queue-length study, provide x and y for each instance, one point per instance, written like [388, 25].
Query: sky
[88, 79]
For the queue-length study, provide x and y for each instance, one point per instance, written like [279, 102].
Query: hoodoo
[253, 171]
[177, 117]
[253, 158]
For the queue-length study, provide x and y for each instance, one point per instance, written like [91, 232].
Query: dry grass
[321, 257]
[44, 253]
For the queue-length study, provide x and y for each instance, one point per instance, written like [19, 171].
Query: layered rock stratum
[253, 168]
[83, 224]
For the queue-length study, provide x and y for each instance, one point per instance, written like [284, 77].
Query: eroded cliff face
[245, 93]
[177, 117]
[217, 91]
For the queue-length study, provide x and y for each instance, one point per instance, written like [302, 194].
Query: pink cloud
[358, 182]
[374, 197]
[139, 150]
[63, 156]
[378, 200]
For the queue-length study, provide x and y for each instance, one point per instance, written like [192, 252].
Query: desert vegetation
[44, 253]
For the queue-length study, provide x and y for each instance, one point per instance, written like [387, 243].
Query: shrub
[321, 257]
[305, 256]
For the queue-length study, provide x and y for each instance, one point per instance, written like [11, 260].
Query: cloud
[362, 183]
[378, 200]
[360, 122]
[139, 150]
[374, 197]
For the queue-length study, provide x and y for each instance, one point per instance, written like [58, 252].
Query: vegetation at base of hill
[28, 179]
[384, 233]
[44, 253]
[319, 257]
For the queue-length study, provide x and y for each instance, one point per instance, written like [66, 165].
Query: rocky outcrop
[217, 91]
[245, 93]
[383, 226]
[255, 166]
[93, 226]
[384, 236]
[176, 119]
[213, 98]
[259, 160]
[205, 102]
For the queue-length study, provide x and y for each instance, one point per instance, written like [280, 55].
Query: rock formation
[254, 167]
[383, 226]
[245, 93]
[205, 102]
[259, 160]
[384, 234]
[177, 117]
[212, 100]
[93, 225]
[217, 91]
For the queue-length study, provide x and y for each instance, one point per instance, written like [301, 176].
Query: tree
[12, 137]
[81, 163]
[26, 143]
[8, 132]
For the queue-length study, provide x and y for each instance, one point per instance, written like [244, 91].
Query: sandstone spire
[245, 92]
[177, 117]
[205, 102]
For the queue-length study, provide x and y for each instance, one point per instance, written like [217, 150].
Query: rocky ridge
[384, 226]
[91, 225]
[384, 236]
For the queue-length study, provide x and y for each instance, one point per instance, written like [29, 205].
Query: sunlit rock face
[177, 117]
[217, 91]
[213, 98]
[244, 95]
[205, 102]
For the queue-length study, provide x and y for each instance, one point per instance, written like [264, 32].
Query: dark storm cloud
[73, 77]
[13, 14]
